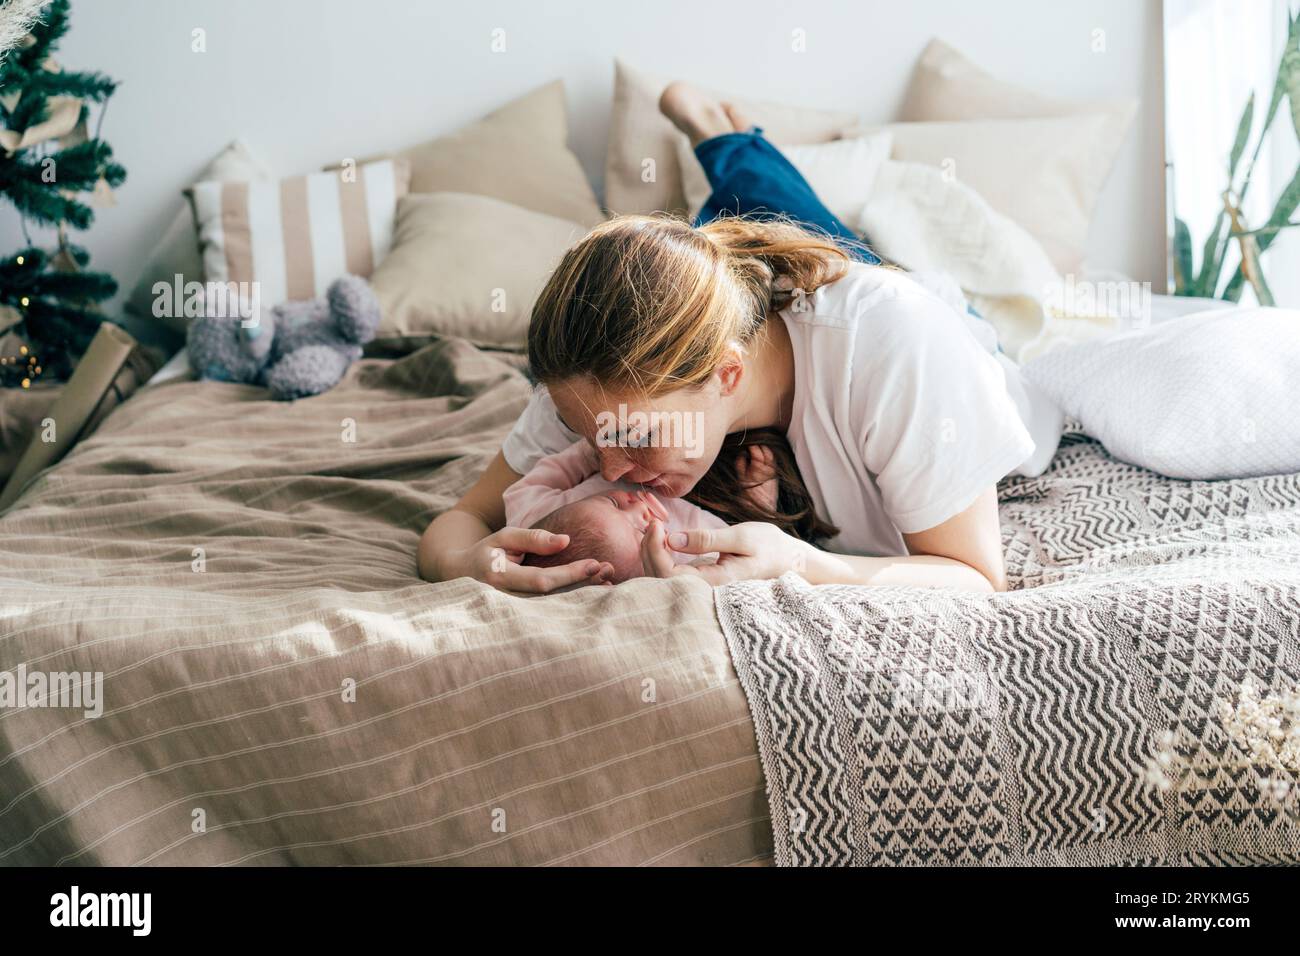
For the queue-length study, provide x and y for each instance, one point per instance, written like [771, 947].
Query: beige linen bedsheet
[279, 686]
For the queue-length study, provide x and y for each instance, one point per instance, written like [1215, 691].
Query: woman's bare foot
[739, 121]
[699, 115]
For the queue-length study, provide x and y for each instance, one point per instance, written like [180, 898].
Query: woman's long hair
[722, 492]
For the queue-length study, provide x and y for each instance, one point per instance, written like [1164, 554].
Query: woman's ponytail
[653, 304]
[780, 258]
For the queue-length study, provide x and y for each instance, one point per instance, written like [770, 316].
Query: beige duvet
[279, 686]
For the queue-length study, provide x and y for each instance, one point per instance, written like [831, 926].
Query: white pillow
[924, 221]
[841, 172]
[1210, 395]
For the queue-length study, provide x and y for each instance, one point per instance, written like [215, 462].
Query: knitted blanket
[911, 727]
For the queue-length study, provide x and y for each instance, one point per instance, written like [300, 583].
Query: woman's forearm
[756, 550]
[918, 570]
[452, 531]
[478, 513]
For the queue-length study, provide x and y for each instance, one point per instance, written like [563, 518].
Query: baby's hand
[756, 467]
[657, 557]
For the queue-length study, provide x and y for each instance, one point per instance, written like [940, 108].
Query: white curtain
[1216, 53]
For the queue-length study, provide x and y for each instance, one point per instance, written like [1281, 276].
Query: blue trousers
[750, 177]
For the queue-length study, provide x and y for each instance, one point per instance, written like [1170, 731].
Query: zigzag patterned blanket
[910, 728]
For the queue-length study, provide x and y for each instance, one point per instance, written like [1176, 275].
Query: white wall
[311, 81]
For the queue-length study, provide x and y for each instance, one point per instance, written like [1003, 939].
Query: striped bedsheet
[279, 686]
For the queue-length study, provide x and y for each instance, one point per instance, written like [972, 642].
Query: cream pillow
[1043, 174]
[517, 153]
[177, 253]
[948, 86]
[841, 172]
[642, 173]
[467, 266]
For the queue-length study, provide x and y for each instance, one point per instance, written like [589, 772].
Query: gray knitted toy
[296, 349]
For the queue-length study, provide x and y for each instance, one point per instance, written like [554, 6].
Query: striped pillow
[296, 236]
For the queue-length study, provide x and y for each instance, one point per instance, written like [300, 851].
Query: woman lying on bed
[900, 420]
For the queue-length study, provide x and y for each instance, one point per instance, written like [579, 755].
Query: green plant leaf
[1251, 266]
[1207, 280]
[1287, 68]
[1216, 243]
[1243, 134]
[1183, 278]
[1286, 205]
[1290, 70]
[1264, 229]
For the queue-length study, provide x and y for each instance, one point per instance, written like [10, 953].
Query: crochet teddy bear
[296, 349]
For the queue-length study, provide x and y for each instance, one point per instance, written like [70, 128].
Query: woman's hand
[460, 543]
[497, 560]
[757, 550]
[748, 551]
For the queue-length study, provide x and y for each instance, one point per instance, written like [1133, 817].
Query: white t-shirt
[901, 416]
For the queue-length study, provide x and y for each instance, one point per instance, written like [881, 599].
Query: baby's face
[620, 518]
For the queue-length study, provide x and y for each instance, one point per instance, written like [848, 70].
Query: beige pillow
[642, 173]
[296, 236]
[517, 153]
[947, 86]
[467, 266]
[177, 253]
[1043, 174]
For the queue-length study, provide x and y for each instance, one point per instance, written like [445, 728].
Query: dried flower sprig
[1263, 734]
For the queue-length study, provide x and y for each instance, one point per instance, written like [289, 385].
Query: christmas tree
[48, 163]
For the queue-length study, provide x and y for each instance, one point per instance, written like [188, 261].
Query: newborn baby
[564, 494]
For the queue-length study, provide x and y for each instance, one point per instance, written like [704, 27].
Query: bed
[279, 686]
